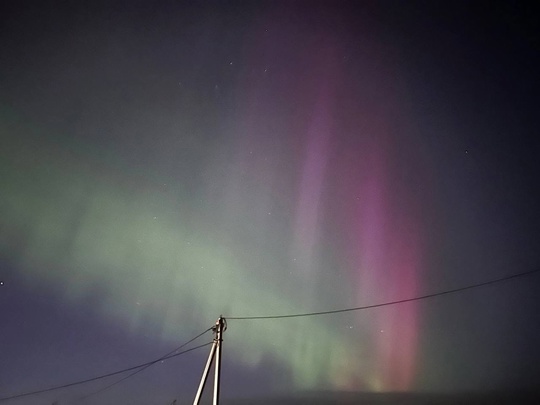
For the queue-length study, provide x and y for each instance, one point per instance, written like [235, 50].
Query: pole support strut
[215, 354]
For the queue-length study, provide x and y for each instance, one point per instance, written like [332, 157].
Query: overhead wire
[162, 358]
[140, 367]
[384, 304]
[143, 365]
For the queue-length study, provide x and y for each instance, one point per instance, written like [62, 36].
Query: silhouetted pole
[218, 330]
[217, 367]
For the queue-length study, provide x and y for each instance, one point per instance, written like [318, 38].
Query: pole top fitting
[220, 323]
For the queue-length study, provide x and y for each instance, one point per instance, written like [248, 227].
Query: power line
[164, 357]
[102, 376]
[384, 304]
[145, 365]
[141, 367]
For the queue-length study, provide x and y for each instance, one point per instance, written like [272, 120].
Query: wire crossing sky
[164, 357]
[138, 368]
[174, 353]
[384, 304]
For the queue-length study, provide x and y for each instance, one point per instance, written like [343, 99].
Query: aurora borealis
[165, 163]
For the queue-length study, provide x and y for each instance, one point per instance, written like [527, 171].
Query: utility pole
[215, 353]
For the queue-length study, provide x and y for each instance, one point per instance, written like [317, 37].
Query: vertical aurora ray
[310, 199]
[386, 257]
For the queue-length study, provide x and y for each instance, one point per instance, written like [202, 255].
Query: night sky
[165, 162]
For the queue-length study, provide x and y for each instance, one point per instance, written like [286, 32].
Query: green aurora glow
[84, 235]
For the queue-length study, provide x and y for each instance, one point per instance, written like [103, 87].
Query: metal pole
[205, 372]
[217, 367]
[218, 329]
